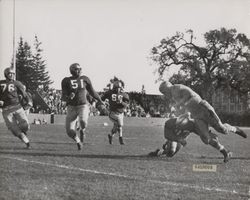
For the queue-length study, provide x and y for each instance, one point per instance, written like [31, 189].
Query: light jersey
[10, 91]
[80, 86]
[117, 101]
[181, 94]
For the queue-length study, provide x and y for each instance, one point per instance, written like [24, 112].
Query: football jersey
[10, 91]
[117, 101]
[81, 87]
[181, 94]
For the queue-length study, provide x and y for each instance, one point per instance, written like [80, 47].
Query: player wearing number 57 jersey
[118, 102]
[74, 92]
[13, 113]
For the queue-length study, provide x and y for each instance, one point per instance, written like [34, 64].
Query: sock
[24, 138]
[77, 139]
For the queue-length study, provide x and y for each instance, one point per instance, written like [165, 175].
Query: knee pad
[119, 128]
[71, 133]
[83, 124]
[24, 126]
[16, 133]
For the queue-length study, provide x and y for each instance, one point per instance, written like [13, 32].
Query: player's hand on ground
[1, 103]
[154, 153]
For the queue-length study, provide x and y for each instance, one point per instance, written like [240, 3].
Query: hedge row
[236, 119]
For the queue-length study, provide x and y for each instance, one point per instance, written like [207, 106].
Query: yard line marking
[196, 187]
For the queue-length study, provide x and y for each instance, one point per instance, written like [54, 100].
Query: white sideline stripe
[130, 177]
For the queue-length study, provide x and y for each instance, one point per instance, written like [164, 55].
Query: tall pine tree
[40, 74]
[30, 67]
[24, 68]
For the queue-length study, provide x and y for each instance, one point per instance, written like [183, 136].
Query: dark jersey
[10, 91]
[81, 87]
[118, 102]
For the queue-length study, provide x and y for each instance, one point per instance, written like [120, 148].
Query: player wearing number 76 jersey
[13, 113]
[74, 92]
[118, 102]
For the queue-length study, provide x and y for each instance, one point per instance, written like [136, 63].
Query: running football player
[74, 92]
[13, 113]
[201, 111]
[118, 102]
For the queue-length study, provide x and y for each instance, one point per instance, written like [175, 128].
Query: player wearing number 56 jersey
[118, 102]
[13, 113]
[74, 91]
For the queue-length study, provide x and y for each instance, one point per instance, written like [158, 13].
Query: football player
[118, 102]
[13, 113]
[177, 129]
[202, 112]
[74, 92]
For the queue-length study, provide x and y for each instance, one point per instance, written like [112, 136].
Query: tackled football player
[13, 113]
[201, 111]
[118, 102]
[74, 92]
[177, 129]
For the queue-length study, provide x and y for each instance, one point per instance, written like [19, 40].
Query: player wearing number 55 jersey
[118, 102]
[74, 91]
[13, 113]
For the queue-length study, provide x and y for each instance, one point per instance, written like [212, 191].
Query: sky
[111, 37]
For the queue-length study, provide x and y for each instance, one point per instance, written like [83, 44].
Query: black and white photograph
[124, 99]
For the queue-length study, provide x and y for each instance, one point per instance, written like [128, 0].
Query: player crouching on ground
[14, 115]
[176, 131]
[118, 102]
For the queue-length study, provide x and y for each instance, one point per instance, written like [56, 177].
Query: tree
[30, 68]
[40, 75]
[24, 68]
[222, 62]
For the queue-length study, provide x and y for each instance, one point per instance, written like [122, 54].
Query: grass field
[54, 168]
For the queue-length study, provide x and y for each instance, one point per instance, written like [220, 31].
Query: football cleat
[227, 155]
[79, 146]
[28, 146]
[240, 132]
[121, 140]
[110, 138]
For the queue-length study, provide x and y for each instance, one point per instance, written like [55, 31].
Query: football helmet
[165, 87]
[75, 69]
[118, 85]
[9, 73]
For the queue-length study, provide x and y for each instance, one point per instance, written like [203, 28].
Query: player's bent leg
[201, 129]
[214, 142]
[22, 118]
[83, 120]
[12, 125]
[83, 126]
[70, 123]
[113, 132]
[119, 130]
[173, 149]
[235, 129]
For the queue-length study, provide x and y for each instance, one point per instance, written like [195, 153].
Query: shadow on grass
[26, 152]
[91, 156]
